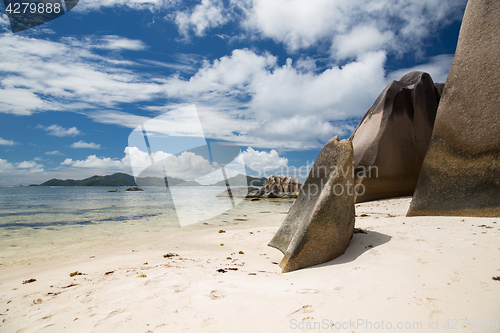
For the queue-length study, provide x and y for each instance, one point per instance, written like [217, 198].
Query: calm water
[58, 207]
[38, 223]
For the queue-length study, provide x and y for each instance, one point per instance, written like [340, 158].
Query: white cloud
[121, 43]
[244, 97]
[263, 163]
[88, 5]
[206, 15]
[83, 144]
[117, 118]
[68, 75]
[30, 166]
[60, 131]
[55, 152]
[186, 166]
[107, 42]
[4, 22]
[438, 67]
[21, 101]
[93, 161]
[21, 168]
[301, 24]
[185, 68]
[23, 173]
[4, 142]
[359, 40]
[5, 166]
[284, 103]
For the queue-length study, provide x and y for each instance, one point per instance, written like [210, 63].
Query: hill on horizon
[123, 179]
[119, 179]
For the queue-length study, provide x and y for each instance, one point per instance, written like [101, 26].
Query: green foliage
[119, 179]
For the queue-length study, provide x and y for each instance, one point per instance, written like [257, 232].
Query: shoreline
[418, 269]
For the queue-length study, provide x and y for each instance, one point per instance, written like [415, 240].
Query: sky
[279, 78]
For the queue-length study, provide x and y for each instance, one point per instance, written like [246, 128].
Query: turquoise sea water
[41, 223]
[58, 207]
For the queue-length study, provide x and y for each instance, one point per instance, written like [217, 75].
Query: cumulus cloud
[263, 163]
[5, 166]
[206, 15]
[4, 142]
[83, 144]
[350, 28]
[301, 24]
[245, 97]
[283, 102]
[93, 161]
[55, 152]
[359, 40]
[60, 131]
[26, 172]
[186, 166]
[30, 166]
[21, 168]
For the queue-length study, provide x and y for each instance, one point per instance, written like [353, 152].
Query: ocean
[41, 224]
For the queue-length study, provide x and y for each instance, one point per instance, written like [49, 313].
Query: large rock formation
[276, 187]
[460, 175]
[320, 223]
[282, 184]
[391, 140]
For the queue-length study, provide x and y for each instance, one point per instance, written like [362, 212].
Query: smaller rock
[134, 189]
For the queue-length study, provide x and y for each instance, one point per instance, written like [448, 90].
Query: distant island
[123, 179]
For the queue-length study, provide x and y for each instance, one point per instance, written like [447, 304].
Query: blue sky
[279, 78]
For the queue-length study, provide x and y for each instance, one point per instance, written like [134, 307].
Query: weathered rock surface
[276, 187]
[134, 189]
[320, 223]
[391, 140]
[282, 184]
[460, 175]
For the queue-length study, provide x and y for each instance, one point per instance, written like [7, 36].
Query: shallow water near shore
[58, 224]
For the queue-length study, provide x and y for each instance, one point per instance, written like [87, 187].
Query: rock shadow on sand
[359, 244]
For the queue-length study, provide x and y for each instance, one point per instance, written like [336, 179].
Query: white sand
[404, 271]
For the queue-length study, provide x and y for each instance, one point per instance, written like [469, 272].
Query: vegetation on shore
[123, 179]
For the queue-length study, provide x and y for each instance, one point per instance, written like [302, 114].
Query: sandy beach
[419, 274]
